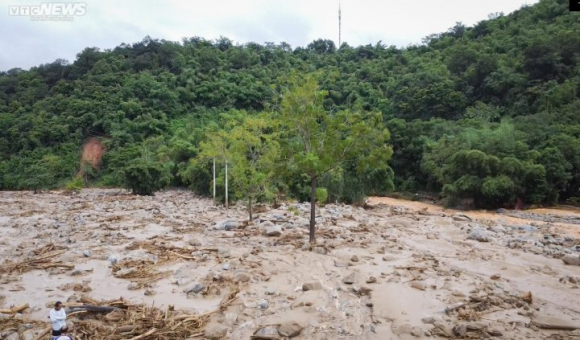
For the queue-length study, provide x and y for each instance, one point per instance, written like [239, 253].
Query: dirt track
[385, 273]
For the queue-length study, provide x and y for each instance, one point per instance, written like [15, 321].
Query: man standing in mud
[58, 317]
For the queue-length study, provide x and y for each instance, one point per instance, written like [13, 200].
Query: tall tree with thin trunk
[317, 141]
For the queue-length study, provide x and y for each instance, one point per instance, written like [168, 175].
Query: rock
[133, 286]
[551, 322]
[226, 266]
[320, 250]
[311, 286]
[480, 235]
[371, 279]
[362, 290]
[402, 329]
[494, 331]
[419, 285]
[228, 225]
[571, 259]
[270, 291]
[275, 230]
[495, 277]
[215, 331]
[13, 336]
[428, 320]
[460, 330]
[268, 332]
[198, 287]
[349, 279]
[417, 331]
[461, 218]
[242, 277]
[501, 211]
[113, 258]
[28, 335]
[148, 292]
[387, 258]
[354, 258]
[431, 236]
[87, 253]
[263, 304]
[194, 242]
[290, 329]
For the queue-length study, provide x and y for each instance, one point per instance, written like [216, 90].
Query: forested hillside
[489, 113]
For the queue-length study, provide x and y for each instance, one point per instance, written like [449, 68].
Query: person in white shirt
[58, 317]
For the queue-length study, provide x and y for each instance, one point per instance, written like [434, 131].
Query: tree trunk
[250, 206]
[312, 209]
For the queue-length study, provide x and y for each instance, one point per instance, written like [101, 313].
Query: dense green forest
[488, 115]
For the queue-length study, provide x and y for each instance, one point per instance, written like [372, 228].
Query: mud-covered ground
[396, 270]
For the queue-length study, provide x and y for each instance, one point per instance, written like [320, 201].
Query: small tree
[145, 177]
[318, 141]
[249, 145]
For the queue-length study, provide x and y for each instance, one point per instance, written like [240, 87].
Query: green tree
[317, 141]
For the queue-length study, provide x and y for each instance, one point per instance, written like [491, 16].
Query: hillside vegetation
[489, 114]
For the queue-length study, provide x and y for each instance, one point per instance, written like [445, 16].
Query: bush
[321, 195]
[144, 178]
[75, 184]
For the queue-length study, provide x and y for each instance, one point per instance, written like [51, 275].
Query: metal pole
[214, 201]
[227, 206]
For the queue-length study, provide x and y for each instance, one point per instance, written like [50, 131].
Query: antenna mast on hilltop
[339, 40]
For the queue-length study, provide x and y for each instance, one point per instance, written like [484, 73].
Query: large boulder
[572, 259]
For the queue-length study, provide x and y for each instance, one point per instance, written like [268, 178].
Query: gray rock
[242, 277]
[349, 279]
[354, 258]
[227, 225]
[501, 211]
[87, 253]
[133, 286]
[320, 250]
[480, 235]
[13, 336]
[268, 332]
[572, 259]
[274, 230]
[198, 287]
[266, 224]
[270, 291]
[311, 286]
[429, 320]
[263, 304]
[194, 242]
[419, 285]
[215, 331]
[226, 266]
[290, 329]
[28, 335]
[113, 258]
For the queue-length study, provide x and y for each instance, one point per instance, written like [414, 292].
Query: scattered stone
[571, 259]
[290, 329]
[268, 332]
[215, 331]
[198, 287]
[494, 331]
[428, 320]
[417, 331]
[149, 292]
[270, 291]
[194, 242]
[87, 253]
[320, 250]
[28, 335]
[263, 304]
[372, 279]
[480, 235]
[387, 258]
[431, 236]
[495, 277]
[226, 266]
[419, 285]
[133, 286]
[460, 330]
[349, 279]
[113, 258]
[311, 286]
[354, 258]
[501, 211]
[228, 225]
[242, 277]
[275, 230]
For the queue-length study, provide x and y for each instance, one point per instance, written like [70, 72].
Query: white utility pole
[214, 201]
[227, 206]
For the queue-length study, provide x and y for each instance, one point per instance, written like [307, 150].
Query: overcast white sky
[108, 23]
